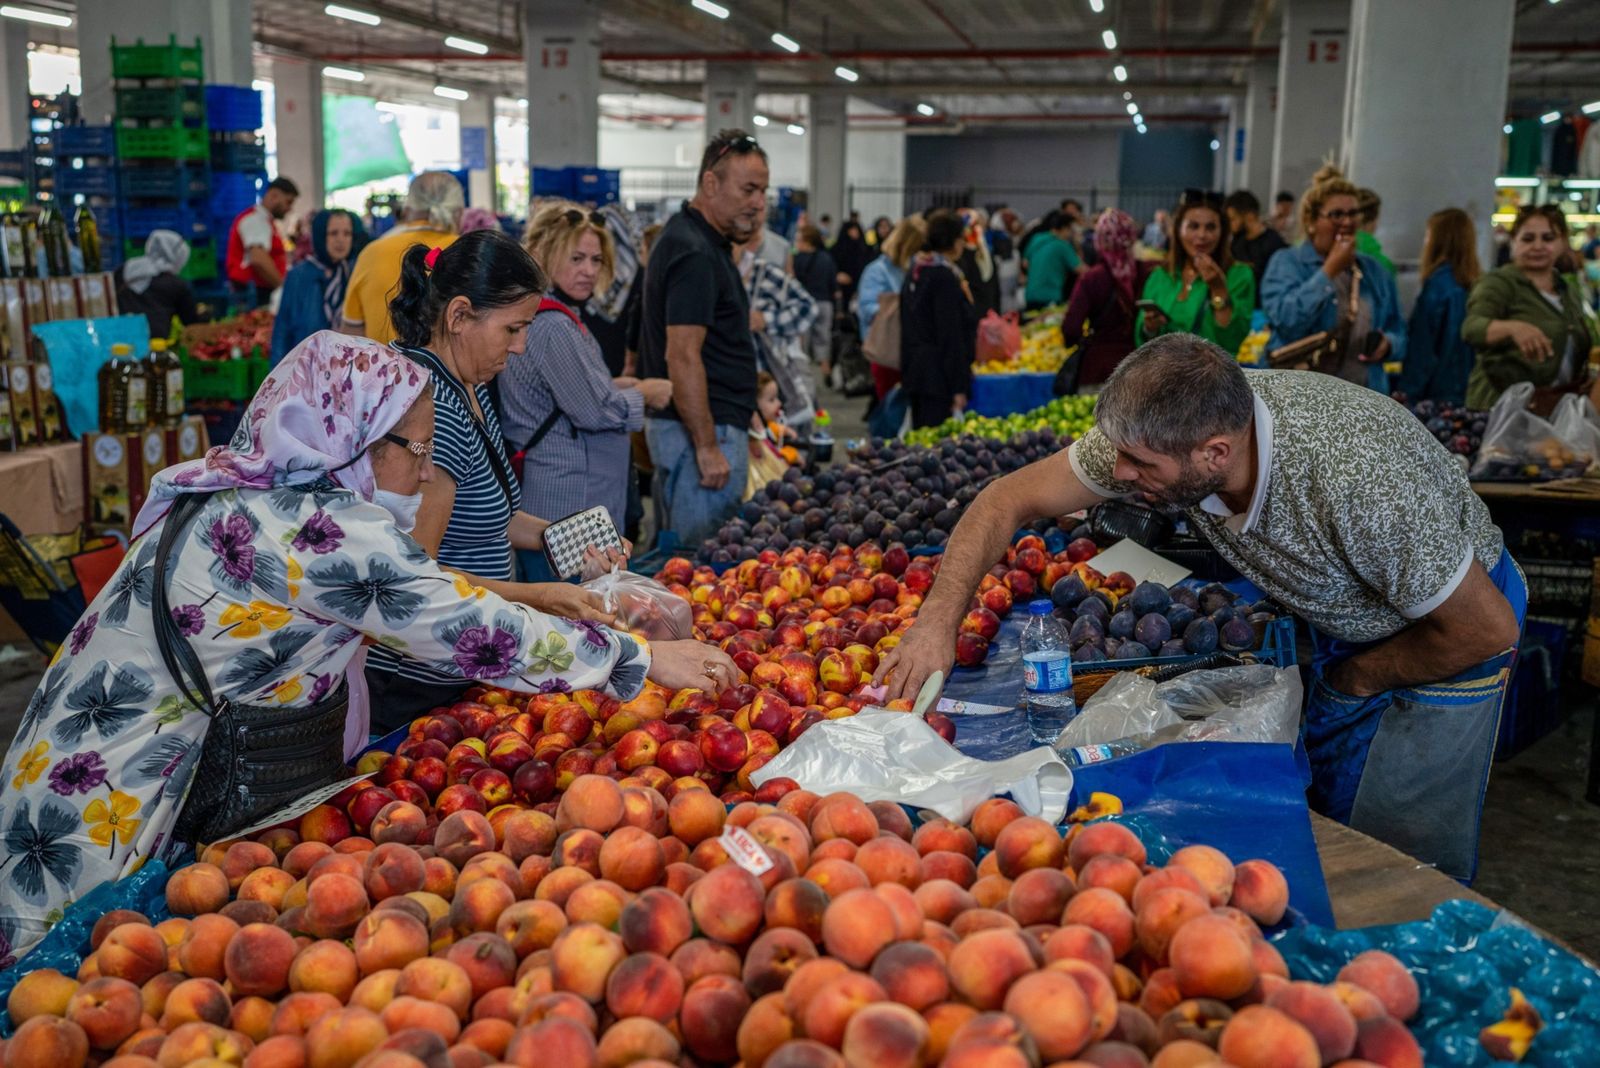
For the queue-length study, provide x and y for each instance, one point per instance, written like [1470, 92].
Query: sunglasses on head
[1203, 197]
[740, 145]
[577, 218]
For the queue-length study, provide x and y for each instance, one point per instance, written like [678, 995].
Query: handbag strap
[176, 651]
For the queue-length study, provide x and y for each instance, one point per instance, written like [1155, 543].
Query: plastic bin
[233, 108]
[227, 380]
[233, 192]
[162, 142]
[188, 182]
[552, 182]
[591, 185]
[92, 180]
[170, 60]
[229, 155]
[139, 221]
[202, 263]
[175, 103]
[1533, 705]
[86, 141]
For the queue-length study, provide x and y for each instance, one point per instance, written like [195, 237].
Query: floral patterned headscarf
[1114, 236]
[326, 401]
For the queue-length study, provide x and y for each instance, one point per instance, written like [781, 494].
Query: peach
[1160, 917]
[981, 919]
[990, 817]
[856, 926]
[107, 1009]
[1112, 872]
[278, 1051]
[462, 835]
[1104, 837]
[1161, 879]
[112, 920]
[834, 849]
[1051, 1006]
[984, 965]
[809, 980]
[244, 913]
[799, 904]
[559, 885]
[939, 938]
[1106, 912]
[327, 966]
[1038, 895]
[908, 917]
[440, 877]
[193, 1000]
[389, 938]
[1196, 1019]
[943, 900]
[549, 1042]
[1211, 866]
[993, 1029]
[343, 1037]
[991, 890]
[945, 1020]
[400, 823]
[828, 1010]
[267, 885]
[700, 957]
[645, 984]
[728, 904]
[912, 974]
[299, 860]
[635, 1040]
[335, 863]
[632, 858]
[1260, 891]
[837, 877]
[495, 866]
[42, 992]
[764, 1028]
[1387, 979]
[327, 824]
[1186, 1053]
[1362, 1003]
[436, 979]
[1026, 843]
[335, 903]
[1386, 1041]
[1261, 1037]
[1098, 994]
[393, 869]
[582, 957]
[1320, 1012]
[133, 952]
[695, 816]
[488, 1034]
[1135, 1027]
[1161, 993]
[295, 1014]
[242, 858]
[376, 990]
[1079, 942]
[205, 941]
[889, 860]
[530, 925]
[891, 817]
[145, 1042]
[193, 1042]
[950, 866]
[1211, 959]
[258, 960]
[593, 802]
[578, 848]
[478, 905]
[885, 1034]
[841, 815]
[406, 1012]
[560, 1004]
[942, 835]
[252, 1017]
[773, 957]
[709, 1019]
[48, 1041]
[528, 833]
[1268, 960]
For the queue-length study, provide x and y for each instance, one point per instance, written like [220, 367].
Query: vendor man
[1340, 505]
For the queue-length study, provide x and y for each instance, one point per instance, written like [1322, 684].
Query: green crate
[235, 380]
[202, 265]
[175, 103]
[170, 60]
[163, 142]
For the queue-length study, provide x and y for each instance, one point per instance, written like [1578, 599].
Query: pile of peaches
[627, 929]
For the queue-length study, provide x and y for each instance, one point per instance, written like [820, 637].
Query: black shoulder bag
[255, 758]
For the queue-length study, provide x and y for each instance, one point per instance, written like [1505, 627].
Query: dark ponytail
[487, 267]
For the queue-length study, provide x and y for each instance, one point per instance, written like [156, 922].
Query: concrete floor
[1538, 852]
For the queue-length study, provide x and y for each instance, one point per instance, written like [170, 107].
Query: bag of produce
[1252, 703]
[644, 605]
[1578, 424]
[1519, 446]
[999, 338]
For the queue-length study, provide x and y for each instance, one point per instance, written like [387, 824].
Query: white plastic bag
[895, 756]
[1519, 446]
[1250, 703]
[644, 605]
[1578, 425]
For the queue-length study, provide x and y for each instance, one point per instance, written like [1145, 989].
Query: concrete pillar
[1396, 105]
[826, 130]
[561, 50]
[1312, 62]
[297, 94]
[477, 147]
[222, 27]
[730, 97]
[1250, 149]
[13, 84]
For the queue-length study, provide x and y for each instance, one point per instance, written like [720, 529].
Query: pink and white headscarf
[1114, 236]
[328, 399]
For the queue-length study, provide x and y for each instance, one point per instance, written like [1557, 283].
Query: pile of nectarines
[621, 929]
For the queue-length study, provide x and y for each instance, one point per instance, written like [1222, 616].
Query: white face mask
[402, 507]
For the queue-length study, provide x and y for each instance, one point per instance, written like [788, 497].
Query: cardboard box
[117, 469]
[46, 405]
[61, 297]
[186, 441]
[97, 295]
[24, 416]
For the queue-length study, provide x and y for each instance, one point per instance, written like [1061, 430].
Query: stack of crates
[164, 147]
[86, 166]
[238, 155]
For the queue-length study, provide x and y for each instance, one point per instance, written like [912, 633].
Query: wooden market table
[1576, 492]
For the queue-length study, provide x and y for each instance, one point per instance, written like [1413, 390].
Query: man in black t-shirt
[1254, 241]
[695, 330]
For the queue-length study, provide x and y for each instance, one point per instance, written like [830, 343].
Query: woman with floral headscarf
[1099, 318]
[298, 554]
[314, 289]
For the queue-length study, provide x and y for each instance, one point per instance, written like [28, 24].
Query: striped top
[476, 539]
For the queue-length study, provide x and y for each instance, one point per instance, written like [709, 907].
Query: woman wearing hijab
[150, 285]
[977, 263]
[1099, 318]
[477, 218]
[313, 293]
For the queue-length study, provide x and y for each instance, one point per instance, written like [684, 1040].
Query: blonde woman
[559, 406]
[887, 274]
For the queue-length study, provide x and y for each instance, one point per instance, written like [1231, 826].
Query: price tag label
[296, 809]
[745, 851]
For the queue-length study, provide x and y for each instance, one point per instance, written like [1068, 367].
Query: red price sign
[745, 851]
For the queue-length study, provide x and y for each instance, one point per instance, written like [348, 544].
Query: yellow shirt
[376, 277]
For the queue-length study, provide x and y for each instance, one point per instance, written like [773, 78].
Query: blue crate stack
[86, 166]
[238, 155]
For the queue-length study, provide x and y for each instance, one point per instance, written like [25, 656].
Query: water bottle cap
[1040, 607]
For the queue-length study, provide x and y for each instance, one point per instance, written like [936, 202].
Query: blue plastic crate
[1533, 705]
[233, 191]
[138, 222]
[86, 141]
[238, 156]
[91, 180]
[233, 108]
[552, 182]
[591, 185]
[189, 182]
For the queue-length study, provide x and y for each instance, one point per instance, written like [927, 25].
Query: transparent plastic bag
[1519, 446]
[644, 605]
[1251, 703]
[1578, 425]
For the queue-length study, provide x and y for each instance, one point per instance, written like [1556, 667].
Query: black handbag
[255, 758]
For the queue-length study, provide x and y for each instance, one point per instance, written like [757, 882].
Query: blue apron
[1410, 766]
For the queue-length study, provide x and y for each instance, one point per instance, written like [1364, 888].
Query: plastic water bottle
[1046, 673]
[1093, 754]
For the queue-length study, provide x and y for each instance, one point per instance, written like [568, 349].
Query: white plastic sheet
[895, 756]
[1251, 703]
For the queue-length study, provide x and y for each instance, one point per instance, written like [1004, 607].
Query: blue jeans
[682, 505]
[1410, 766]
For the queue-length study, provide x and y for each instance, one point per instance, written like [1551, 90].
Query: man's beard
[1192, 487]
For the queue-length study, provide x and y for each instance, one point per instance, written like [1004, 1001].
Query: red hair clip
[431, 258]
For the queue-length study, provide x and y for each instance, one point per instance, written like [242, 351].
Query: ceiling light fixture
[788, 44]
[846, 74]
[1516, 183]
[926, 110]
[1109, 36]
[760, 120]
[1582, 183]
[522, 101]
[1143, 127]
[1133, 109]
[1138, 119]
[1506, 128]
[350, 14]
[1591, 107]
[344, 74]
[1119, 72]
[464, 44]
[796, 129]
[30, 14]
[715, 10]
[1550, 116]
[1097, 6]
[1215, 144]
[449, 93]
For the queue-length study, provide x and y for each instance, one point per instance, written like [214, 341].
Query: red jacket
[240, 271]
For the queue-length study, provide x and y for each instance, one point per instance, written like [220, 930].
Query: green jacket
[1505, 293]
[1050, 261]
[1368, 243]
[1194, 316]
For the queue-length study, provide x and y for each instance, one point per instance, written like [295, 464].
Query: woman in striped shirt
[562, 409]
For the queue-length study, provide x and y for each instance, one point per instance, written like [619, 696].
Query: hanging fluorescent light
[760, 120]
[846, 74]
[449, 93]
[788, 44]
[1516, 183]
[796, 129]
[715, 10]
[1550, 116]
[1119, 72]
[1133, 109]
[1582, 183]
[926, 110]
[1097, 6]
[30, 14]
[350, 14]
[1591, 107]
[464, 44]
[1506, 128]
[1109, 36]
[344, 74]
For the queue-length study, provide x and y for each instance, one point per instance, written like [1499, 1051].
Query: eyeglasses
[577, 218]
[1342, 215]
[423, 449]
[1203, 197]
[741, 145]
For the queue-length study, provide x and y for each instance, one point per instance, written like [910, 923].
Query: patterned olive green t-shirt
[1363, 523]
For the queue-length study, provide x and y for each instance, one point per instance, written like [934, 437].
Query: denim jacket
[1300, 300]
